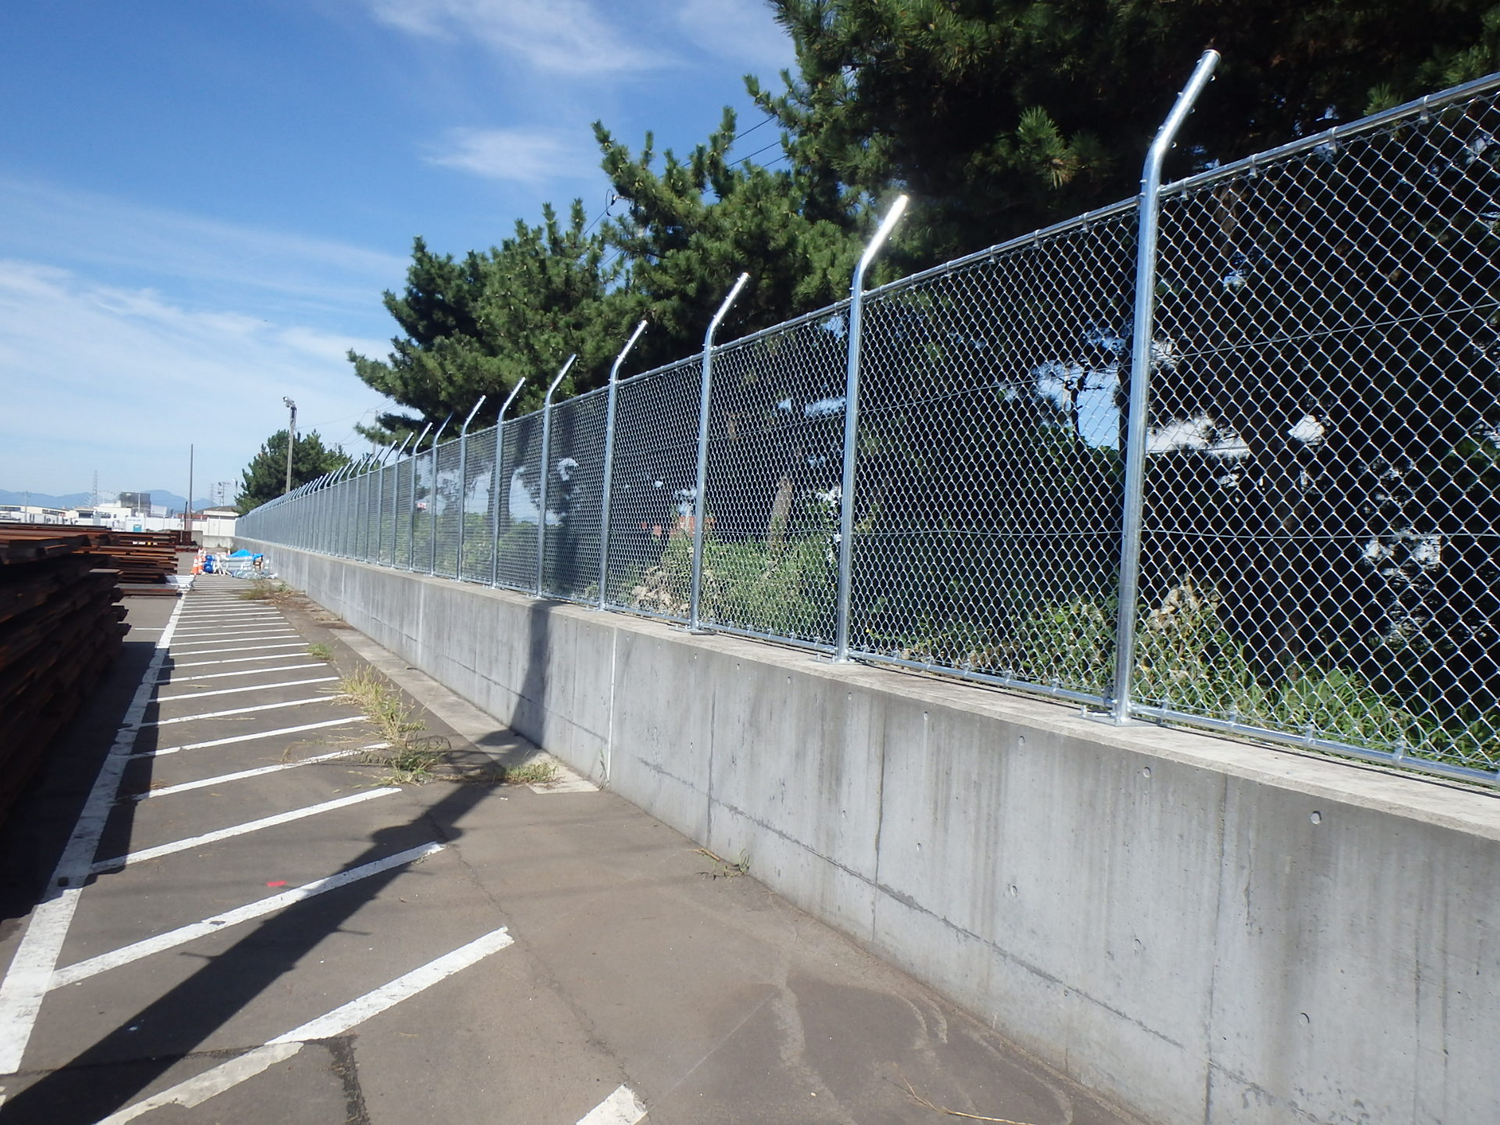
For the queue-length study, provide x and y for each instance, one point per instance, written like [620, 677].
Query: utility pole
[291, 440]
[187, 509]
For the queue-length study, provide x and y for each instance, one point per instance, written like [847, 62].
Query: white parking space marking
[226, 631]
[171, 679]
[240, 775]
[198, 1089]
[30, 971]
[245, 737]
[241, 710]
[244, 688]
[621, 1108]
[238, 660]
[92, 967]
[239, 830]
[237, 620]
[246, 648]
[268, 635]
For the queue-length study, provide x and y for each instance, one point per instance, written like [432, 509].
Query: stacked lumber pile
[144, 559]
[61, 625]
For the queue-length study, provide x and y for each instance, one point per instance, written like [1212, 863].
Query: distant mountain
[159, 496]
[43, 500]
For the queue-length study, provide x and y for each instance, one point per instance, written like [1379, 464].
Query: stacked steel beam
[144, 558]
[60, 628]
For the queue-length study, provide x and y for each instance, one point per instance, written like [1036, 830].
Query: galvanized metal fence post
[411, 534]
[463, 485]
[606, 489]
[432, 496]
[495, 483]
[1133, 504]
[541, 513]
[695, 595]
[851, 424]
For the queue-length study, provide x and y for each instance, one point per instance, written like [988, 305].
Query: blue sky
[200, 204]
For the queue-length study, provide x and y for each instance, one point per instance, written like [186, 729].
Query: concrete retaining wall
[1203, 931]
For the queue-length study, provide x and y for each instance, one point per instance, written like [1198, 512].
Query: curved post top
[713, 325]
[441, 428]
[465, 427]
[417, 445]
[504, 406]
[1167, 134]
[565, 367]
[630, 343]
[888, 224]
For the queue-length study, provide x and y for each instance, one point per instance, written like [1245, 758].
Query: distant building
[139, 503]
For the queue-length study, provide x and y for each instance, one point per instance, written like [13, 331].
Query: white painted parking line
[241, 711]
[238, 660]
[163, 751]
[239, 830]
[246, 648]
[243, 688]
[92, 967]
[233, 620]
[265, 635]
[224, 778]
[225, 631]
[30, 971]
[621, 1108]
[171, 679]
[198, 1089]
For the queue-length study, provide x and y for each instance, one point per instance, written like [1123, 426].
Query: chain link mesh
[775, 458]
[1320, 539]
[519, 496]
[478, 517]
[574, 491]
[1320, 533]
[655, 474]
[987, 513]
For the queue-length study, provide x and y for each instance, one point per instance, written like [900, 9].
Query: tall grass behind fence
[1320, 535]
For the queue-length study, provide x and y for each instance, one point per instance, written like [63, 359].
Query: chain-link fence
[1319, 537]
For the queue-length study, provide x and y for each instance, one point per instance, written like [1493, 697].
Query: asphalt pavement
[219, 907]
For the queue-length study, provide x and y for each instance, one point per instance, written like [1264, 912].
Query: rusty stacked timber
[144, 559]
[61, 626]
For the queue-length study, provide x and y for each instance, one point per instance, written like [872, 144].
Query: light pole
[291, 440]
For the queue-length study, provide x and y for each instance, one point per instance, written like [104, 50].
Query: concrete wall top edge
[1430, 800]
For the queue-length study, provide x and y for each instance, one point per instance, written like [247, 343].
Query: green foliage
[264, 478]
[693, 226]
[479, 325]
[1001, 116]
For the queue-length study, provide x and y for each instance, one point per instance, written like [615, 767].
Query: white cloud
[101, 231]
[122, 380]
[530, 156]
[569, 36]
[741, 31]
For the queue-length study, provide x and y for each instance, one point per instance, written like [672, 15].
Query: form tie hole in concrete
[1316, 818]
[1013, 890]
[1020, 743]
[1305, 1018]
[1146, 772]
[1138, 945]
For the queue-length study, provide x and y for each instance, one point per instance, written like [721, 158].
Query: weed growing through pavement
[265, 590]
[534, 772]
[723, 868]
[320, 651]
[410, 756]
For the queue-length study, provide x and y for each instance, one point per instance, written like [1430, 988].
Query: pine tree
[264, 478]
[478, 325]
